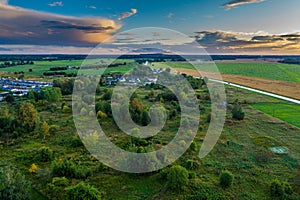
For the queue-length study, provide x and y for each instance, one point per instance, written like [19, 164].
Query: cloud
[3, 1]
[252, 43]
[208, 16]
[23, 26]
[235, 3]
[51, 49]
[170, 15]
[124, 15]
[57, 3]
[92, 7]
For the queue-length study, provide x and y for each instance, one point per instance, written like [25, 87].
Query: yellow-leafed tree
[33, 169]
[45, 129]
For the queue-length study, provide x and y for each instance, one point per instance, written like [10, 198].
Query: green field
[243, 149]
[44, 66]
[272, 71]
[289, 113]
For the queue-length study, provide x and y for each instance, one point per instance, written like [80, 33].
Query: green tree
[27, 116]
[177, 178]
[226, 178]
[82, 191]
[145, 118]
[280, 189]
[237, 111]
[101, 115]
[32, 95]
[45, 129]
[13, 185]
[10, 98]
[45, 154]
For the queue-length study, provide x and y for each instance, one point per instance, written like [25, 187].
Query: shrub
[60, 181]
[33, 168]
[64, 168]
[192, 175]
[101, 167]
[226, 178]
[82, 191]
[194, 146]
[101, 114]
[177, 178]
[70, 169]
[280, 189]
[276, 188]
[82, 172]
[45, 154]
[191, 165]
[14, 186]
[201, 191]
[287, 188]
[237, 112]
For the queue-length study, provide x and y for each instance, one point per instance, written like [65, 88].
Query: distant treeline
[16, 63]
[59, 74]
[58, 68]
[291, 61]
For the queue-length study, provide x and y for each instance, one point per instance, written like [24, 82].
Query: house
[3, 95]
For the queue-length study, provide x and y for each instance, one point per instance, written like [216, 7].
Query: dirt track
[283, 88]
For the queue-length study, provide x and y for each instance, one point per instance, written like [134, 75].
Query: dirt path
[283, 88]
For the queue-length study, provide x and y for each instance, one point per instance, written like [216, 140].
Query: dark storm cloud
[238, 42]
[23, 26]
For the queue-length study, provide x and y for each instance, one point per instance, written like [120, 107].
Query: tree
[280, 189]
[51, 94]
[45, 154]
[45, 129]
[27, 116]
[101, 115]
[32, 95]
[145, 118]
[13, 185]
[82, 191]
[33, 168]
[10, 98]
[177, 178]
[237, 112]
[226, 178]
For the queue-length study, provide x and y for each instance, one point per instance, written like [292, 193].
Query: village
[19, 88]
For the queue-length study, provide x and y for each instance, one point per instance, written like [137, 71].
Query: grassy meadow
[40, 67]
[272, 71]
[243, 147]
[289, 113]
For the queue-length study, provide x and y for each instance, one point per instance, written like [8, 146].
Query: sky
[218, 26]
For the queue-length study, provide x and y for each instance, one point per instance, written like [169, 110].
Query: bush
[280, 189]
[287, 188]
[192, 175]
[191, 165]
[276, 188]
[177, 178]
[70, 169]
[45, 154]
[226, 178]
[237, 112]
[33, 168]
[60, 181]
[101, 167]
[14, 186]
[194, 146]
[201, 191]
[82, 191]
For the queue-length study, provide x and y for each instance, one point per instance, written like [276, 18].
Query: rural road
[258, 91]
